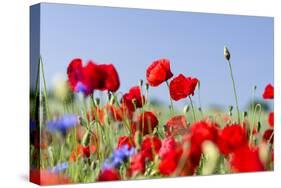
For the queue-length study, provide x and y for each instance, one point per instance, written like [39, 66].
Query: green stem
[254, 122]
[193, 112]
[171, 101]
[199, 98]
[45, 88]
[234, 89]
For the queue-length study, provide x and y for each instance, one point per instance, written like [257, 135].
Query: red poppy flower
[87, 150]
[268, 136]
[111, 79]
[92, 76]
[146, 122]
[81, 151]
[169, 163]
[125, 140]
[158, 72]
[98, 114]
[133, 96]
[231, 138]
[115, 112]
[268, 92]
[44, 177]
[168, 144]
[77, 78]
[170, 154]
[176, 126]
[181, 87]
[202, 131]
[109, 175]
[199, 132]
[150, 145]
[271, 119]
[246, 159]
[137, 165]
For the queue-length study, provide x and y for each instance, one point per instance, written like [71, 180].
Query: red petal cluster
[92, 76]
[158, 72]
[176, 126]
[268, 136]
[181, 87]
[137, 165]
[246, 159]
[125, 140]
[150, 145]
[133, 96]
[268, 92]
[145, 123]
[109, 175]
[232, 138]
[44, 177]
[199, 132]
[271, 119]
[170, 154]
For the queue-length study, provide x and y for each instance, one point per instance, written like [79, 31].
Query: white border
[14, 43]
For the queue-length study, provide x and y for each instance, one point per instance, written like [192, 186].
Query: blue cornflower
[61, 167]
[32, 125]
[80, 87]
[63, 123]
[118, 157]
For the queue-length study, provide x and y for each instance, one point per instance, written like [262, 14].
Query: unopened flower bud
[141, 83]
[146, 86]
[138, 139]
[186, 109]
[226, 53]
[86, 139]
[97, 101]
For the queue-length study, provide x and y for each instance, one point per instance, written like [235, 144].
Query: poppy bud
[138, 139]
[226, 53]
[109, 95]
[230, 110]
[97, 101]
[86, 139]
[186, 109]
[141, 83]
[146, 86]
[259, 126]
[112, 99]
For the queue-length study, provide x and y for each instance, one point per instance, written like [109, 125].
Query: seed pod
[259, 126]
[226, 53]
[146, 86]
[97, 101]
[186, 109]
[141, 83]
[86, 139]
[230, 110]
[138, 139]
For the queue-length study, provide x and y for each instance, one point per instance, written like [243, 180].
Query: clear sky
[132, 38]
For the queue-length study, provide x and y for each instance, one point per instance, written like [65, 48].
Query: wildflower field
[77, 136]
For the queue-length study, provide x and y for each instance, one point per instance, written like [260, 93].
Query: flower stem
[199, 98]
[171, 101]
[45, 88]
[234, 89]
[193, 112]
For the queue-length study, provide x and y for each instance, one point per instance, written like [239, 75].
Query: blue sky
[132, 38]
